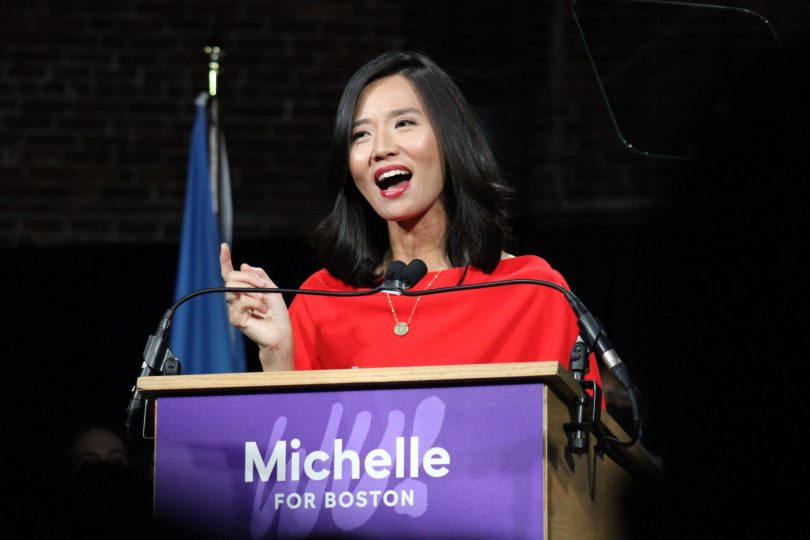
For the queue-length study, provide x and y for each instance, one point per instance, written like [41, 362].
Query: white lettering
[345, 499]
[361, 499]
[309, 470]
[407, 497]
[295, 466]
[340, 456]
[434, 457]
[378, 463]
[293, 500]
[400, 453]
[414, 473]
[253, 459]
[390, 498]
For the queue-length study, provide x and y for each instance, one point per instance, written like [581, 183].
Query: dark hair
[352, 240]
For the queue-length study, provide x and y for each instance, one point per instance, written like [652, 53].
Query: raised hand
[262, 317]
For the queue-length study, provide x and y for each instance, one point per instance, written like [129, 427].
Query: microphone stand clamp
[158, 359]
[587, 406]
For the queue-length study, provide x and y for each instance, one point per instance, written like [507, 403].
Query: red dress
[515, 323]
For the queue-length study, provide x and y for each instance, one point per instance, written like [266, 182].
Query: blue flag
[201, 336]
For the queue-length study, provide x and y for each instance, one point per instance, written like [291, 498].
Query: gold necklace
[401, 328]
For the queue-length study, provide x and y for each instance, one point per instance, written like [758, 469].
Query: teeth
[390, 174]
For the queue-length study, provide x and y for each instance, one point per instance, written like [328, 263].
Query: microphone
[400, 277]
[157, 358]
[391, 281]
[597, 339]
[412, 273]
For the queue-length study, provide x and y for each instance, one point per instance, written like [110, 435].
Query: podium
[463, 451]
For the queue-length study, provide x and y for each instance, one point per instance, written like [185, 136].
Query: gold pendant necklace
[401, 328]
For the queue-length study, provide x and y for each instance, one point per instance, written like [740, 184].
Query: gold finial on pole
[214, 55]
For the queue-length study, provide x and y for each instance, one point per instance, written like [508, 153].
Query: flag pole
[215, 54]
[220, 187]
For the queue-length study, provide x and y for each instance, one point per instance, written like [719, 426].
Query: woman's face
[394, 157]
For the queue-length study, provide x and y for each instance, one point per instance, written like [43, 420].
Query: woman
[414, 179]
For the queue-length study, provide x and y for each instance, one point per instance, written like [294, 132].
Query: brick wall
[97, 102]
[97, 98]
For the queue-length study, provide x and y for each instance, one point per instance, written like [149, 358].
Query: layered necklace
[401, 328]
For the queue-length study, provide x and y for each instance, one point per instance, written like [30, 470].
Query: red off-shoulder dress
[515, 323]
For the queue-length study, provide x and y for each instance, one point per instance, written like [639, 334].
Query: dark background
[695, 267]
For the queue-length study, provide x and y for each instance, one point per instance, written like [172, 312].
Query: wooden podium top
[554, 374]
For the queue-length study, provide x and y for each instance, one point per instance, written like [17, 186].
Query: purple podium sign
[463, 462]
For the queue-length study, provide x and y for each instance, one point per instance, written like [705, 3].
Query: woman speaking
[414, 179]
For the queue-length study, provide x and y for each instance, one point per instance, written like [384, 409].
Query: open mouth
[389, 179]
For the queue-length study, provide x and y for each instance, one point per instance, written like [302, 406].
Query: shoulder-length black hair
[352, 240]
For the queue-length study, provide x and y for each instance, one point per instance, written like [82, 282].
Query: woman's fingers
[245, 278]
[247, 302]
[257, 272]
[261, 316]
[225, 262]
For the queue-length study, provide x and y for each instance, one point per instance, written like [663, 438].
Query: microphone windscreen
[394, 269]
[412, 273]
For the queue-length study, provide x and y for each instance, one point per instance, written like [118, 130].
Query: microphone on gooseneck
[597, 338]
[391, 281]
[412, 273]
[400, 277]
[157, 358]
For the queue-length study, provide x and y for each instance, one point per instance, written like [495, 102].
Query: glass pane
[664, 68]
